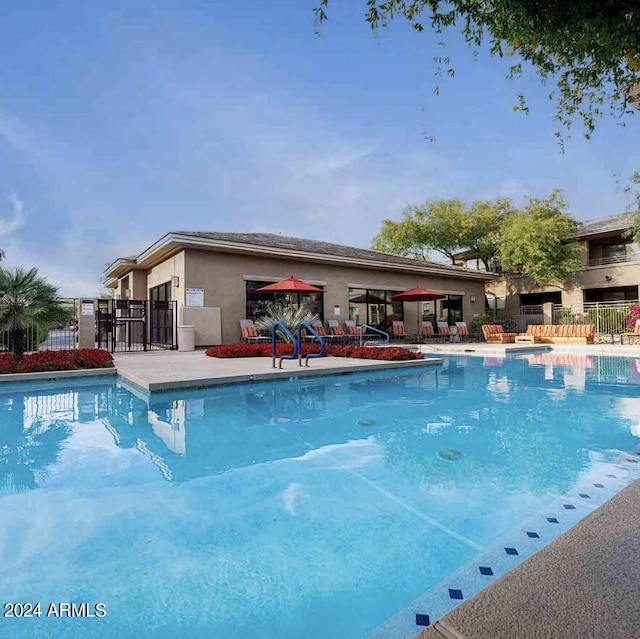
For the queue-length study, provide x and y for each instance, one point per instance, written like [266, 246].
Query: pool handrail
[375, 330]
[310, 329]
[287, 332]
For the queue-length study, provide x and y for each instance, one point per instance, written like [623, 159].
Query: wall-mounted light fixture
[608, 278]
[175, 281]
[472, 298]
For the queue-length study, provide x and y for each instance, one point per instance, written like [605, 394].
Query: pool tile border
[511, 549]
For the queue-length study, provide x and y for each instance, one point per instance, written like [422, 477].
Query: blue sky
[120, 121]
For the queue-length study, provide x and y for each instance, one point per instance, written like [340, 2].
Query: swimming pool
[338, 506]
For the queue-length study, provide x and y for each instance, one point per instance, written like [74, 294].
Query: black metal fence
[135, 325]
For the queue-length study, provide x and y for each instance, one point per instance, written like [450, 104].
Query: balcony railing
[615, 259]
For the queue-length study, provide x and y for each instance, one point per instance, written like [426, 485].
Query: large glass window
[448, 310]
[257, 301]
[160, 293]
[374, 308]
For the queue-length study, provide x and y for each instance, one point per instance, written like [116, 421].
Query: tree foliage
[28, 301]
[587, 52]
[286, 314]
[537, 241]
[446, 226]
[633, 190]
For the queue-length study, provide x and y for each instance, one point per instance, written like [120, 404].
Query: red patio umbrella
[418, 294]
[291, 285]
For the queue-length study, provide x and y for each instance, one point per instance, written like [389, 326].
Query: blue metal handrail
[375, 330]
[287, 332]
[308, 327]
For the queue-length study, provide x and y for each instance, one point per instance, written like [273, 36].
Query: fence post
[86, 324]
[547, 313]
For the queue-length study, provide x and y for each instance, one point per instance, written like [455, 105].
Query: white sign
[195, 297]
[336, 311]
[87, 308]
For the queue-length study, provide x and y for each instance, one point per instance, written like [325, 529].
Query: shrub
[634, 312]
[63, 360]
[388, 353]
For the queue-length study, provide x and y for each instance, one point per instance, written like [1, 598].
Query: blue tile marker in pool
[265, 501]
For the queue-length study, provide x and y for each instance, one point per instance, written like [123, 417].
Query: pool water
[317, 507]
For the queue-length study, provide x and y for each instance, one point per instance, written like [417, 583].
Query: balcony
[629, 256]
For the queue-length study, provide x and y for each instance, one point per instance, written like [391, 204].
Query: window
[535, 299]
[374, 308]
[160, 293]
[257, 301]
[449, 309]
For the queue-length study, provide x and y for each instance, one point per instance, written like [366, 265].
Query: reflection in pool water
[214, 512]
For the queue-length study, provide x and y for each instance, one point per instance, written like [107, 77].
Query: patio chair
[444, 330]
[337, 332]
[249, 333]
[398, 332]
[428, 334]
[352, 330]
[318, 327]
[463, 331]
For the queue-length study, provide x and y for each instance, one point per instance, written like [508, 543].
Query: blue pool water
[328, 507]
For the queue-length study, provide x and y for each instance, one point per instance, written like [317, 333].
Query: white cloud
[15, 219]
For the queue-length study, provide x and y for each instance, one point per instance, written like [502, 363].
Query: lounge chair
[463, 331]
[494, 334]
[444, 330]
[249, 333]
[318, 327]
[398, 332]
[337, 332]
[427, 331]
[352, 330]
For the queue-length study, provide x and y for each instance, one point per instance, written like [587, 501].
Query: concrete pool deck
[585, 584]
[167, 370]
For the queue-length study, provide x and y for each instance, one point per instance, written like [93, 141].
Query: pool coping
[56, 375]
[548, 594]
[226, 379]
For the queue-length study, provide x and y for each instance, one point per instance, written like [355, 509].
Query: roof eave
[172, 242]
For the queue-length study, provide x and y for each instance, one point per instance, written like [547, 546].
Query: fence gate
[135, 325]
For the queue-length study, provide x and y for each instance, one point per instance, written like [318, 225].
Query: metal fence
[518, 322]
[54, 340]
[610, 319]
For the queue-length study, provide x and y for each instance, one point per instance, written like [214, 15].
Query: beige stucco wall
[592, 277]
[223, 277]
[163, 272]
[138, 290]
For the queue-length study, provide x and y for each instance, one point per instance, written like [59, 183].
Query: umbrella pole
[419, 316]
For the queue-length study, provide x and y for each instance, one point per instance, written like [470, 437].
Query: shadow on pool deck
[585, 584]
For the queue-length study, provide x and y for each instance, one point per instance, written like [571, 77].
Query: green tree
[440, 225]
[538, 241]
[28, 301]
[446, 226]
[633, 189]
[587, 52]
[485, 226]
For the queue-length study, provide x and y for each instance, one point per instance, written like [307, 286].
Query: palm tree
[28, 301]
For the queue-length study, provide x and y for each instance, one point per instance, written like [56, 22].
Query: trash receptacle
[186, 338]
